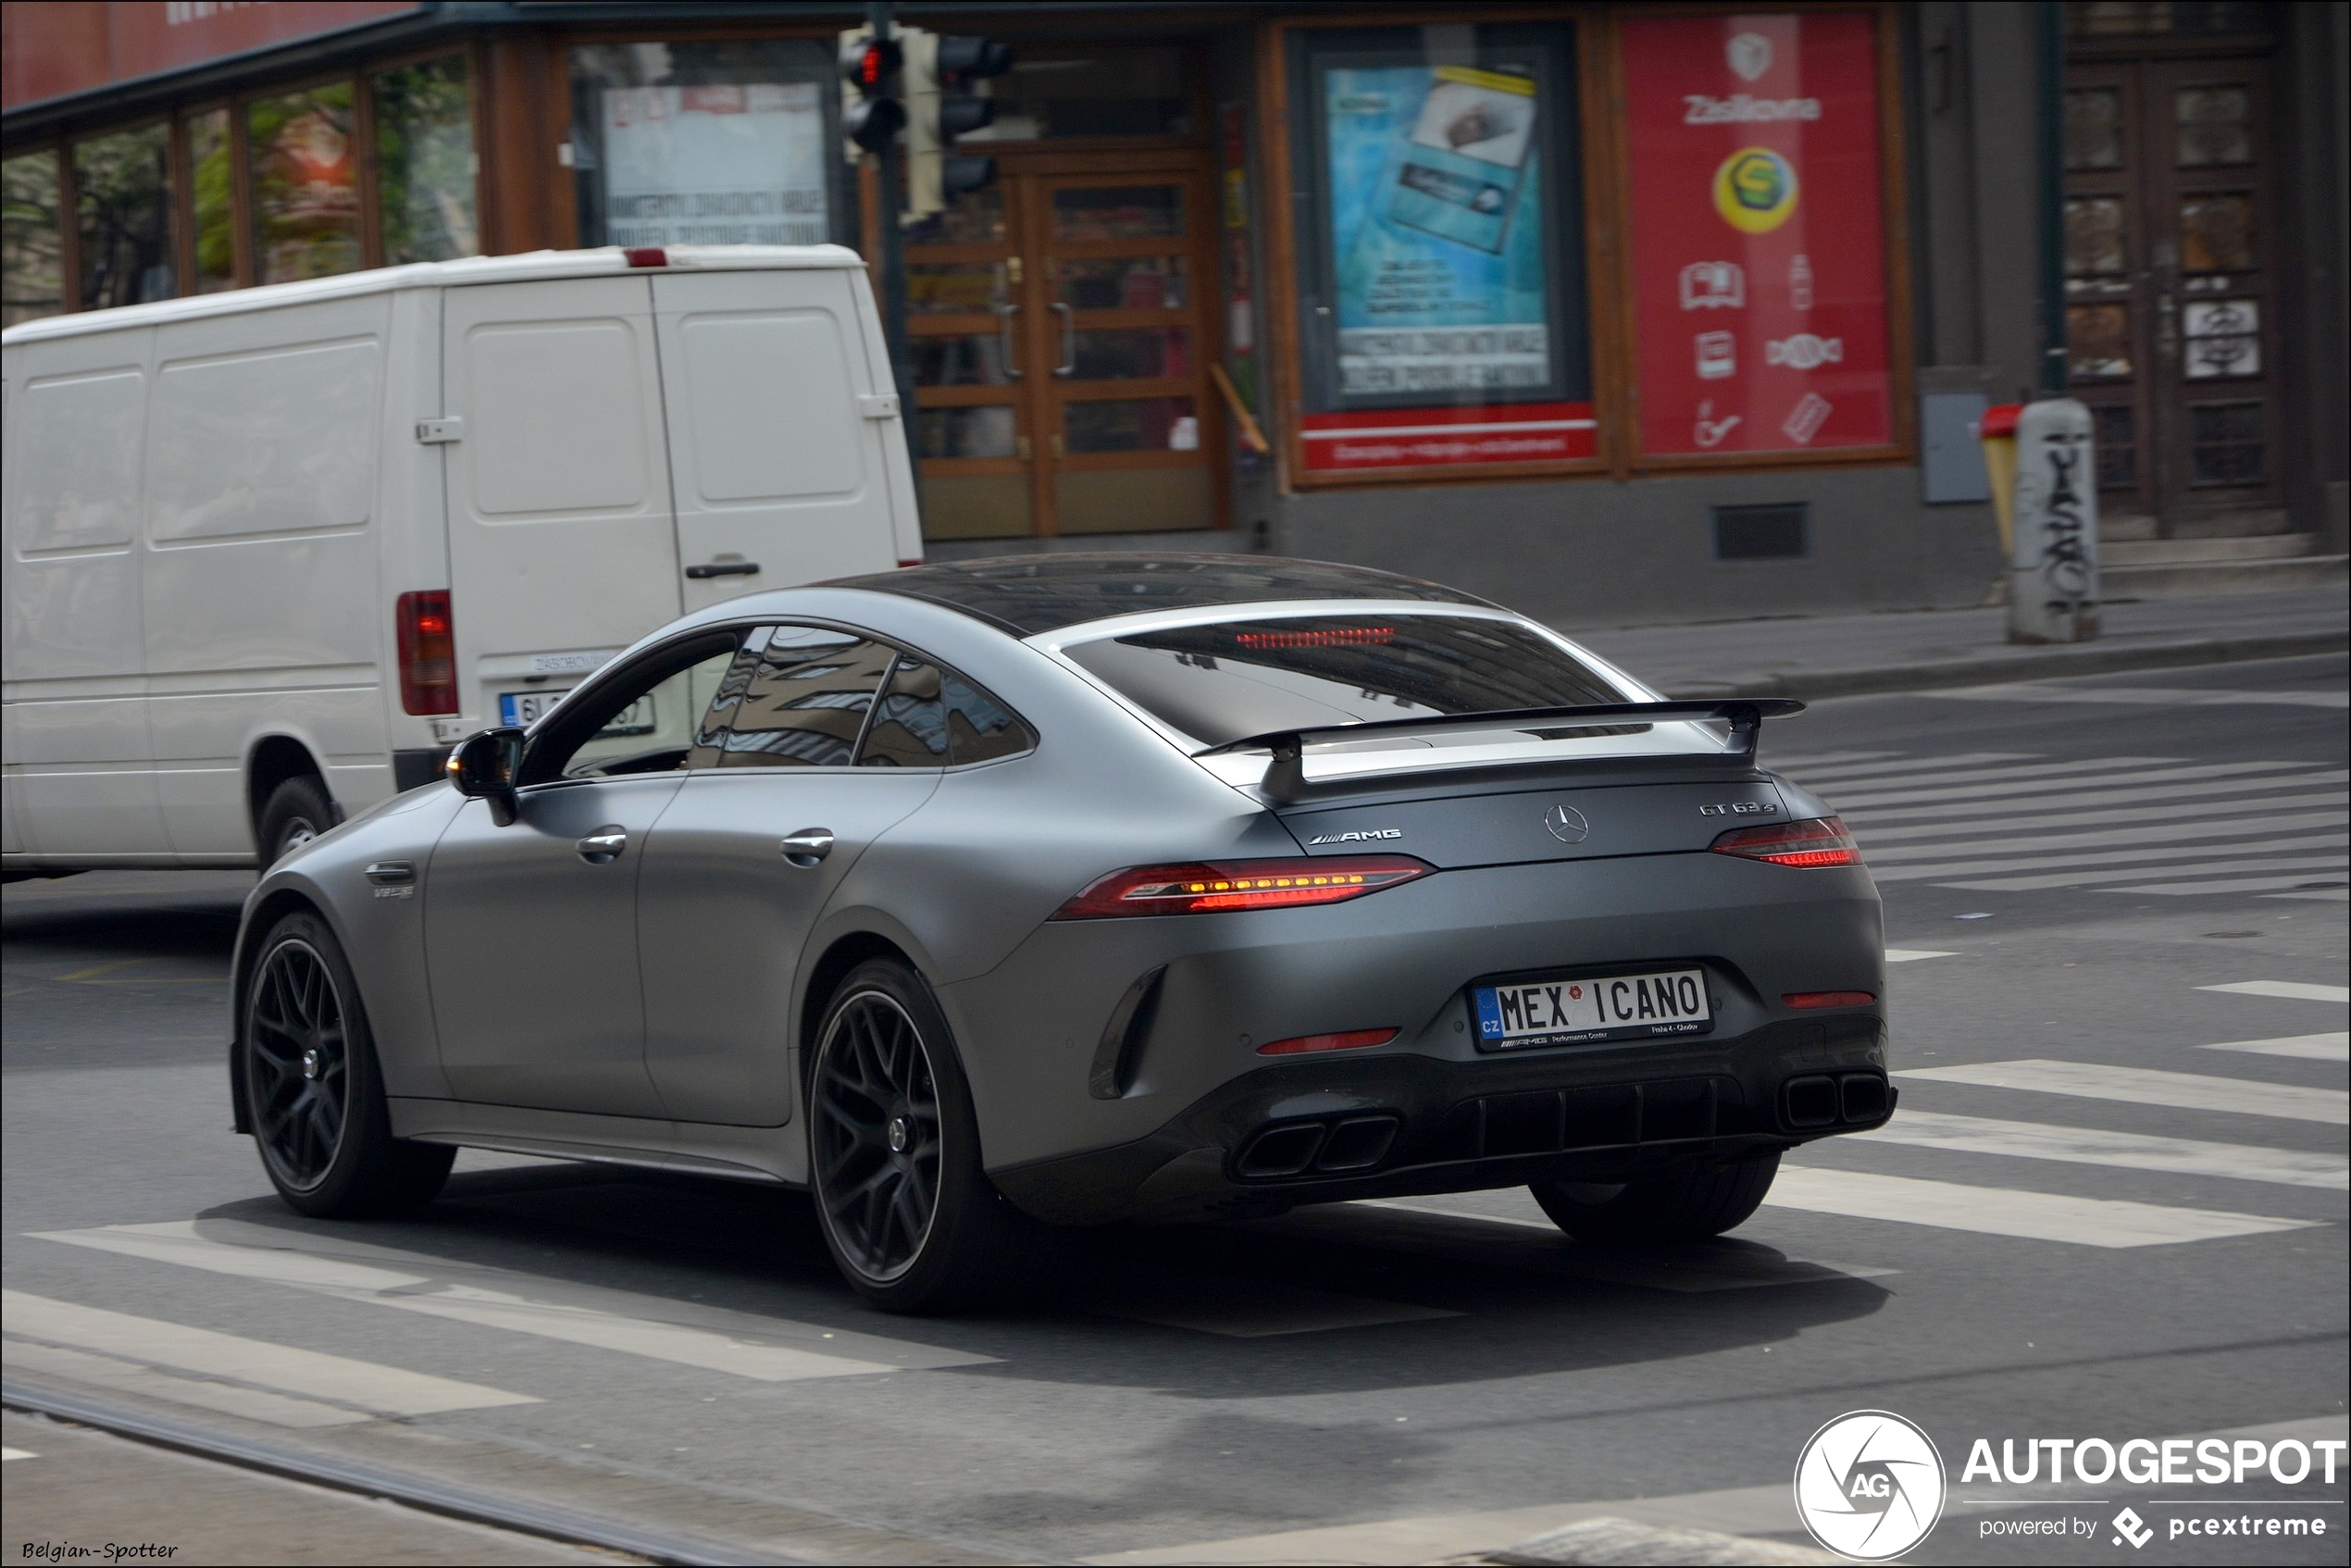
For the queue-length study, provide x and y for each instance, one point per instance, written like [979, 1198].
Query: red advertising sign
[1758, 233]
[1415, 437]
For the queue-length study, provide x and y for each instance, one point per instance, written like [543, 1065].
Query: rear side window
[1220, 683]
[798, 697]
[930, 717]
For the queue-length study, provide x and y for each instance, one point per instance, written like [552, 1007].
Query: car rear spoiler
[1286, 777]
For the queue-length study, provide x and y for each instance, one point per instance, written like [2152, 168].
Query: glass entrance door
[1060, 344]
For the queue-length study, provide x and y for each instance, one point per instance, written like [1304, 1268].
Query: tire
[911, 1220]
[1689, 1203]
[296, 812]
[314, 1095]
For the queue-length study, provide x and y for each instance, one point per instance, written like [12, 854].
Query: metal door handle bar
[1069, 341]
[603, 846]
[1004, 314]
[724, 568]
[808, 846]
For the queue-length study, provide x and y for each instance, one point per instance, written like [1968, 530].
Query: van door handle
[723, 568]
[603, 846]
[808, 846]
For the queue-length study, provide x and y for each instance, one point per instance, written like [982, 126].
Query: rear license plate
[1579, 1011]
[519, 710]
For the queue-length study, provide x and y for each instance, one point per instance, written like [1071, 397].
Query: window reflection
[123, 208]
[305, 184]
[424, 161]
[804, 698]
[31, 244]
[212, 180]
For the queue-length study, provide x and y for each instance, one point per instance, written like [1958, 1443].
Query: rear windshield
[1220, 683]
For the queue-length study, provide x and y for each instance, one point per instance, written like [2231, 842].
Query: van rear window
[1219, 683]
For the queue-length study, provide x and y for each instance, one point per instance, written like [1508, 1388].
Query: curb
[2039, 664]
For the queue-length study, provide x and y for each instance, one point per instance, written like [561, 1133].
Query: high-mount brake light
[1818, 840]
[1326, 637]
[1350, 1040]
[645, 256]
[427, 652]
[1204, 888]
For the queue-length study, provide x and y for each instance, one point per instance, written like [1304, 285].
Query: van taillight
[645, 256]
[428, 654]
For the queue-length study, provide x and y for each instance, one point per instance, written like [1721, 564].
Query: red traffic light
[868, 65]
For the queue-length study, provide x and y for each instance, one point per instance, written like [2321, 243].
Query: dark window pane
[212, 178]
[2094, 128]
[2226, 444]
[2094, 18]
[123, 205]
[1219, 683]
[1145, 283]
[2094, 241]
[1131, 353]
[1142, 424]
[2118, 450]
[968, 432]
[981, 729]
[804, 700]
[32, 244]
[305, 184]
[956, 288]
[1119, 212]
[976, 217]
[2099, 340]
[975, 359]
[1055, 91]
[424, 160]
[2216, 124]
[910, 725]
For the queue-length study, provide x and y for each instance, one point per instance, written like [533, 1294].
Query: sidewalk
[1843, 655]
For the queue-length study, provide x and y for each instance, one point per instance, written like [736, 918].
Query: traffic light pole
[893, 249]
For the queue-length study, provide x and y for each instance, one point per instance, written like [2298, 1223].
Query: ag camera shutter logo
[1870, 1485]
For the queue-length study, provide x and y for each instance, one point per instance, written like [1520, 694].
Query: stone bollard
[2053, 559]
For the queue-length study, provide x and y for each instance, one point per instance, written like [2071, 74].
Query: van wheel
[911, 1220]
[296, 812]
[314, 1096]
[1686, 1204]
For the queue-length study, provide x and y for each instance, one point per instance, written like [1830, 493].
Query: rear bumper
[1329, 1131]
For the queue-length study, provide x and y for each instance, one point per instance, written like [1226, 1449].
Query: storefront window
[1440, 247]
[1057, 91]
[31, 249]
[708, 144]
[424, 161]
[123, 210]
[213, 179]
[305, 184]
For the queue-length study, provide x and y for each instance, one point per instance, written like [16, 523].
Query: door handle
[603, 846]
[724, 568]
[1069, 341]
[1004, 314]
[808, 846]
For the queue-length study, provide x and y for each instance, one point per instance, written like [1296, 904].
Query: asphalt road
[2111, 1206]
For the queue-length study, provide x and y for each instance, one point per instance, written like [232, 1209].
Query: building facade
[1612, 312]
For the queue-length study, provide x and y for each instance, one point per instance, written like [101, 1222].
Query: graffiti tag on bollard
[2053, 572]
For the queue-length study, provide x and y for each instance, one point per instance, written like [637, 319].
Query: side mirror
[484, 766]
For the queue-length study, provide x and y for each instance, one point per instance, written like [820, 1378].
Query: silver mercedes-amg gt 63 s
[986, 899]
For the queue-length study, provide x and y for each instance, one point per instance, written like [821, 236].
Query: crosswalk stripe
[2292, 990]
[2316, 895]
[2239, 885]
[1973, 765]
[2334, 1046]
[2140, 857]
[1827, 759]
[2106, 773]
[129, 1377]
[2091, 1146]
[2174, 834]
[2140, 696]
[640, 1331]
[1989, 804]
[1912, 955]
[2000, 1210]
[387, 1389]
[2214, 868]
[2148, 1085]
[2262, 816]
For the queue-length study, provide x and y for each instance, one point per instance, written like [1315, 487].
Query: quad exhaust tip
[1848, 1099]
[1355, 1144]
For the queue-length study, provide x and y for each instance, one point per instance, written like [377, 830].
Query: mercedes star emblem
[1567, 824]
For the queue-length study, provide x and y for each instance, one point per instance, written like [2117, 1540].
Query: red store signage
[1758, 233]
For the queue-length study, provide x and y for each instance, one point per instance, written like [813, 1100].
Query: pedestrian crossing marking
[1880, 855]
[8, 1453]
[2148, 1085]
[387, 1390]
[2304, 864]
[2000, 1210]
[1978, 805]
[2140, 696]
[120, 1377]
[2294, 990]
[2004, 827]
[1943, 770]
[2107, 773]
[645, 1326]
[2318, 895]
[2101, 857]
[1912, 955]
[2092, 1146]
[2329, 1047]
[2238, 885]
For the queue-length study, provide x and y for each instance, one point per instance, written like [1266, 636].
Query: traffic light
[942, 71]
[873, 118]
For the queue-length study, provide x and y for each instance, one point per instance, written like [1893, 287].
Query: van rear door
[560, 544]
[775, 434]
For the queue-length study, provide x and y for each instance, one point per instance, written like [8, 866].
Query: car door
[531, 927]
[750, 853]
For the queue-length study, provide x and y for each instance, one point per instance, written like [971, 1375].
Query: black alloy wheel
[298, 1061]
[877, 1136]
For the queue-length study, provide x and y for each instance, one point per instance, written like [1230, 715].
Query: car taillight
[1818, 840]
[1828, 998]
[1350, 1039]
[1204, 888]
[428, 653]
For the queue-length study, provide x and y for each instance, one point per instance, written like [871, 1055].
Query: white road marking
[2308, 862]
[2077, 817]
[2316, 895]
[2003, 842]
[2143, 857]
[388, 1389]
[1245, 1309]
[638, 1331]
[1973, 766]
[1825, 759]
[8, 1453]
[2107, 773]
[2000, 1210]
[2137, 1151]
[2234, 885]
[2140, 696]
[1912, 955]
[129, 1377]
[2325, 1047]
[2294, 990]
[2146, 1086]
[1986, 804]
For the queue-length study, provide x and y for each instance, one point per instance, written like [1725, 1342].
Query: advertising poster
[737, 165]
[1758, 233]
[1438, 235]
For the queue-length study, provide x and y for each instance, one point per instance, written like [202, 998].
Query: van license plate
[1578, 1011]
[520, 710]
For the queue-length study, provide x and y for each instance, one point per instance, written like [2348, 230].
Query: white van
[269, 551]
